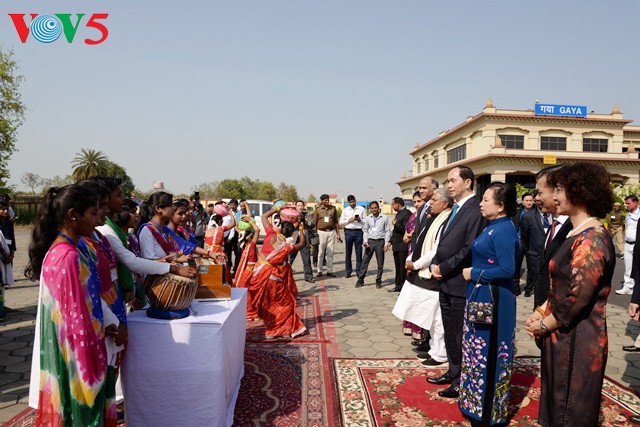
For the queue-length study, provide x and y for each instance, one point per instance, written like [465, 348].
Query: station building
[512, 145]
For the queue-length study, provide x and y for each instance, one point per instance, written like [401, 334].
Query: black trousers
[452, 308]
[305, 253]
[533, 272]
[399, 259]
[376, 246]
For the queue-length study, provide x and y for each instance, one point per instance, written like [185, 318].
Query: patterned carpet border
[357, 408]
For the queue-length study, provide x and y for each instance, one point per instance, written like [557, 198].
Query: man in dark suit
[399, 247]
[527, 205]
[557, 233]
[453, 255]
[533, 230]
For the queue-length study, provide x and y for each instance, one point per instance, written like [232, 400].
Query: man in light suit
[452, 256]
[533, 232]
[560, 227]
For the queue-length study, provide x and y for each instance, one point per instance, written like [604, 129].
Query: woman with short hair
[488, 346]
[572, 322]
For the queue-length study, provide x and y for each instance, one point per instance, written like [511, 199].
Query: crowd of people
[457, 270]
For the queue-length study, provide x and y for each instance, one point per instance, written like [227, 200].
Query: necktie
[424, 209]
[552, 231]
[453, 214]
[545, 221]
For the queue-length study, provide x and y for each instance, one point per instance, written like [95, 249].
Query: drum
[169, 292]
[289, 215]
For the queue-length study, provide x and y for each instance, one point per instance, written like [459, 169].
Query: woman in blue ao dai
[487, 349]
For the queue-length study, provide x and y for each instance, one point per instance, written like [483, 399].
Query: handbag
[480, 312]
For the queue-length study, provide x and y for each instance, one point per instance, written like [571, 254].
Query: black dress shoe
[422, 355]
[347, 275]
[331, 275]
[417, 342]
[424, 346]
[451, 392]
[320, 274]
[527, 294]
[378, 285]
[359, 283]
[443, 379]
[310, 280]
[631, 348]
[394, 290]
[431, 362]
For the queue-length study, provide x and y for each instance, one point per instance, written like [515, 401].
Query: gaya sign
[48, 28]
[560, 110]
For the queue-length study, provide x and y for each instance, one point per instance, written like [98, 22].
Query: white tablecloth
[185, 372]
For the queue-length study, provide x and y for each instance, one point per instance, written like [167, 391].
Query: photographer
[352, 220]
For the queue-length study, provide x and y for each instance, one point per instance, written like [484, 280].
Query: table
[185, 372]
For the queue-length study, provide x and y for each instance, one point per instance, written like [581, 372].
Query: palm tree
[88, 163]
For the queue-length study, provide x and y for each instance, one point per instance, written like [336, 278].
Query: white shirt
[561, 219]
[631, 225]
[226, 221]
[349, 213]
[128, 258]
[149, 246]
[462, 201]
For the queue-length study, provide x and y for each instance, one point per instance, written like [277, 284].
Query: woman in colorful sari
[155, 242]
[185, 241]
[409, 328]
[251, 233]
[71, 358]
[112, 292]
[214, 235]
[272, 292]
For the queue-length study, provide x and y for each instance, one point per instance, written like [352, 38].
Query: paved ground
[363, 321]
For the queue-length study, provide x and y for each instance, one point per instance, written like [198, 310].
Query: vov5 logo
[48, 28]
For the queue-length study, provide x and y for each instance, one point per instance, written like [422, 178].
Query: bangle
[544, 328]
[540, 310]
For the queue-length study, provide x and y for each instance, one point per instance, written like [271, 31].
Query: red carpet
[388, 392]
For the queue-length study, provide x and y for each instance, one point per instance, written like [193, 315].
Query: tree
[11, 111]
[88, 163]
[206, 189]
[311, 198]
[114, 170]
[57, 181]
[287, 192]
[232, 189]
[32, 180]
[265, 191]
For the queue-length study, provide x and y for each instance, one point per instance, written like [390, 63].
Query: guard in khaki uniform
[616, 227]
[325, 218]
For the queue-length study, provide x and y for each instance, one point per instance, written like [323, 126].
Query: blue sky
[329, 96]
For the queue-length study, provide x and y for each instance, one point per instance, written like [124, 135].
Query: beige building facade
[512, 145]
